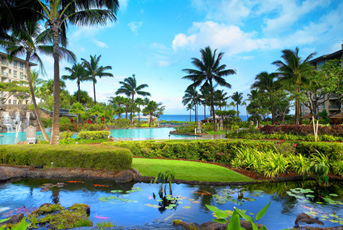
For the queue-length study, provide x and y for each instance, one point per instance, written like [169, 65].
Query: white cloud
[160, 55]
[88, 31]
[134, 26]
[123, 4]
[229, 38]
[100, 44]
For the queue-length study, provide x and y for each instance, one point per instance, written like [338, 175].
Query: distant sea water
[179, 117]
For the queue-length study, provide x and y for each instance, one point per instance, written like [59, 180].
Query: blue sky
[156, 39]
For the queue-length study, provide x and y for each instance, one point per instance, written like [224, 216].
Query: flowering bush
[303, 130]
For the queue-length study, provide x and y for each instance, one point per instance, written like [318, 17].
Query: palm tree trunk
[237, 109]
[297, 107]
[94, 91]
[204, 111]
[56, 106]
[212, 108]
[190, 115]
[79, 100]
[150, 123]
[33, 98]
[131, 117]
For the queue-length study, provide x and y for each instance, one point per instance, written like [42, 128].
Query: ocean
[178, 117]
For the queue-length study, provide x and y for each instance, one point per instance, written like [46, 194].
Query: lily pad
[196, 202]
[186, 207]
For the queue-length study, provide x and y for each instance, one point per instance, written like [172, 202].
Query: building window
[21, 66]
[15, 73]
[9, 101]
[21, 75]
[9, 80]
[14, 102]
[27, 102]
[9, 71]
[15, 64]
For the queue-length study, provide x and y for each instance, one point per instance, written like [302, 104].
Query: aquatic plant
[319, 168]
[274, 164]
[234, 223]
[105, 224]
[164, 178]
[21, 226]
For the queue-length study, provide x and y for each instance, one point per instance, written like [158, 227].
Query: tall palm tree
[130, 89]
[153, 108]
[267, 83]
[28, 40]
[191, 96]
[209, 71]
[190, 108]
[220, 97]
[57, 14]
[139, 101]
[293, 71]
[94, 70]
[78, 73]
[238, 99]
[205, 98]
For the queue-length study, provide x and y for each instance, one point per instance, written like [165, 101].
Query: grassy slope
[187, 170]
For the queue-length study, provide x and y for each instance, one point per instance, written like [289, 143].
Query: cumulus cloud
[134, 26]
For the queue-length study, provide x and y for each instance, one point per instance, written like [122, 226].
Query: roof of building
[336, 55]
[17, 59]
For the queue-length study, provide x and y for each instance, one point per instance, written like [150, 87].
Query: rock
[7, 173]
[304, 218]
[247, 225]
[124, 176]
[211, 225]
[14, 219]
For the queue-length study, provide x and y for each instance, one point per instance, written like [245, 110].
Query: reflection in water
[141, 203]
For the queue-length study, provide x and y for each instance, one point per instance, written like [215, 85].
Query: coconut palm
[238, 99]
[209, 71]
[139, 102]
[190, 108]
[293, 71]
[220, 97]
[205, 98]
[78, 73]
[130, 89]
[153, 108]
[28, 40]
[57, 14]
[191, 96]
[93, 70]
[267, 83]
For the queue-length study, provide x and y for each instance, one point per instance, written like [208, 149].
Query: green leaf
[245, 216]
[234, 222]
[3, 220]
[219, 213]
[263, 211]
[221, 221]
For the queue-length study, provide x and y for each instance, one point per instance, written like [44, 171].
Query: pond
[140, 203]
[122, 134]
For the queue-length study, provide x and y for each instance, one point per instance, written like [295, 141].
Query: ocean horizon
[184, 117]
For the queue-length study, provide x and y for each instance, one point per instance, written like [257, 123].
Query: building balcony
[4, 74]
[334, 107]
[333, 96]
[5, 63]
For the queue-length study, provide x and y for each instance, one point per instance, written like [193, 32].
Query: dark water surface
[142, 204]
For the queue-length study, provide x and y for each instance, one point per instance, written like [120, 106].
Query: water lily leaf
[332, 194]
[179, 202]
[117, 191]
[318, 202]
[309, 195]
[251, 214]
[190, 199]
[159, 200]
[169, 207]
[186, 207]
[196, 202]
[324, 217]
[334, 221]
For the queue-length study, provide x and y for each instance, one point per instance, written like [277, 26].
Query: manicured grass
[218, 132]
[187, 170]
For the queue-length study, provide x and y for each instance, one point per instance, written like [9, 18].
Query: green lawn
[218, 132]
[187, 170]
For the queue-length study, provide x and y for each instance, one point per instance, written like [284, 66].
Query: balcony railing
[334, 107]
[333, 96]
[4, 63]
[4, 74]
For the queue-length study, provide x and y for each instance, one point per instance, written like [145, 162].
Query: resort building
[14, 70]
[332, 105]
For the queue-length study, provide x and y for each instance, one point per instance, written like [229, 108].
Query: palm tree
[190, 108]
[94, 70]
[191, 96]
[118, 102]
[130, 89]
[78, 73]
[238, 99]
[57, 14]
[153, 108]
[221, 98]
[294, 71]
[205, 98]
[209, 71]
[139, 102]
[267, 83]
[27, 40]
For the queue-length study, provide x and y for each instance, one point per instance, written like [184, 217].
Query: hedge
[94, 135]
[221, 151]
[69, 156]
[335, 130]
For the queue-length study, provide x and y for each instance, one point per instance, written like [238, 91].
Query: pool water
[128, 134]
[140, 203]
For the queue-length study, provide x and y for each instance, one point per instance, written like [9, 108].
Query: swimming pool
[121, 134]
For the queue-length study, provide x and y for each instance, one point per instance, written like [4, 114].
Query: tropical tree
[130, 89]
[191, 96]
[93, 70]
[85, 99]
[190, 108]
[78, 109]
[78, 73]
[205, 98]
[118, 102]
[294, 71]
[238, 99]
[153, 108]
[28, 40]
[220, 98]
[208, 72]
[267, 83]
[139, 102]
[57, 14]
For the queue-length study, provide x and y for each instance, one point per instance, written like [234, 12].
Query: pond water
[140, 203]
[122, 134]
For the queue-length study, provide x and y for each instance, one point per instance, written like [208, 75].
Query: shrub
[94, 135]
[69, 156]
